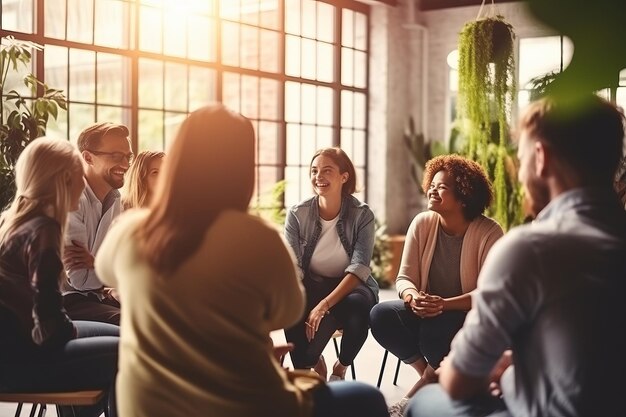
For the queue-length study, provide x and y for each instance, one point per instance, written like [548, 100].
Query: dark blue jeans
[348, 398]
[433, 401]
[85, 363]
[350, 314]
[410, 337]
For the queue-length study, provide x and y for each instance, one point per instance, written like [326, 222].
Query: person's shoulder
[304, 204]
[129, 219]
[424, 217]
[487, 224]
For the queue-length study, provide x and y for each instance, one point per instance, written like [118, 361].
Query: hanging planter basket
[486, 94]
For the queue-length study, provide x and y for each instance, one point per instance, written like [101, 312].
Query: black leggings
[410, 337]
[351, 314]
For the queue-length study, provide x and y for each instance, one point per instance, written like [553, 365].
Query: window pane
[292, 16]
[539, 56]
[269, 51]
[82, 76]
[150, 83]
[325, 65]
[80, 116]
[309, 50]
[230, 43]
[175, 34]
[347, 66]
[55, 18]
[309, 14]
[292, 55]
[324, 138]
[347, 29]
[292, 102]
[250, 12]
[113, 27]
[268, 142]
[80, 21]
[249, 47]
[150, 29]
[113, 79]
[175, 87]
[360, 31]
[347, 109]
[18, 16]
[308, 101]
[231, 91]
[324, 106]
[269, 14]
[250, 96]
[360, 69]
[358, 149]
[55, 58]
[308, 143]
[172, 124]
[360, 111]
[150, 130]
[202, 33]
[110, 114]
[268, 100]
[202, 85]
[293, 144]
[325, 22]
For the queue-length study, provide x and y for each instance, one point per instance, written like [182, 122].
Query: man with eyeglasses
[107, 156]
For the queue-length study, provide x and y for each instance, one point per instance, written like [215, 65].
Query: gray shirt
[553, 292]
[444, 276]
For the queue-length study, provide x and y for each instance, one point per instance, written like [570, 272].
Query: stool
[382, 370]
[40, 399]
[338, 333]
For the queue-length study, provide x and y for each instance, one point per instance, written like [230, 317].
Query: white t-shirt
[329, 259]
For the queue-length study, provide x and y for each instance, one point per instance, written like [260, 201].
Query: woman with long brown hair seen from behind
[207, 283]
[41, 349]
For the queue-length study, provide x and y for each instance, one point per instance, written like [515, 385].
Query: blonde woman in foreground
[41, 349]
[208, 283]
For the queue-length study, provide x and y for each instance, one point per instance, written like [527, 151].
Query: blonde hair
[135, 191]
[43, 174]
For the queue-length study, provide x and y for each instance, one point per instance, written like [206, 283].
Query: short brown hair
[344, 163]
[586, 133]
[91, 137]
[471, 184]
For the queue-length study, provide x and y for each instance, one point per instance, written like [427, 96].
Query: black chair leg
[382, 369]
[18, 410]
[395, 377]
[336, 346]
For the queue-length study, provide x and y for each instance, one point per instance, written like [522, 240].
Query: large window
[297, 68]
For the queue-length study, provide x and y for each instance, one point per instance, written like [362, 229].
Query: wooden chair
[338, 333]
[382, 370]
[41, 399]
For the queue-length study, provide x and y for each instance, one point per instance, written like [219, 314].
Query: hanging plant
[486, 93]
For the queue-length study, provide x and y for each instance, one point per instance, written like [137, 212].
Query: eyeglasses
[115, 156]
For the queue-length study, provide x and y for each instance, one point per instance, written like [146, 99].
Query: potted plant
[22, 118]
[486, 94]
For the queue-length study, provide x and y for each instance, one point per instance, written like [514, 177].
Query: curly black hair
[471, 184]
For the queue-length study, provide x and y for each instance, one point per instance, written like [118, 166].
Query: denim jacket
[355, 227]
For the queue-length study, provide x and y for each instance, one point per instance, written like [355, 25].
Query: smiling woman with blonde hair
[140, 181]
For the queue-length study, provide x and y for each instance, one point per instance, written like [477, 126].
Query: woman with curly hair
[141, 179]
[443, 253]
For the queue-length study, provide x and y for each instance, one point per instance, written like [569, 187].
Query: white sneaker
[397, 410]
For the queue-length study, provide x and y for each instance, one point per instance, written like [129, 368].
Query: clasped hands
[424, 305]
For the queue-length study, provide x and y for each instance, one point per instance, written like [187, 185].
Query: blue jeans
[433, 401]
[348, 398]
[410, 337]
[85, 363]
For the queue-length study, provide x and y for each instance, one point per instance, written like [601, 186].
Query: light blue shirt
[553, 291]
[89, 225]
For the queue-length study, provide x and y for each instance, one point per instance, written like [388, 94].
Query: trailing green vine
[486, 93]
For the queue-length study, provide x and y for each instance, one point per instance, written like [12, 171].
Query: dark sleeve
[51, 325]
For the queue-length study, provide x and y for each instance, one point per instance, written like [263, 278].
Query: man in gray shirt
[551, 291]
[107, 155]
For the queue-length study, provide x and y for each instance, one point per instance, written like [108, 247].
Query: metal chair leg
[382, 369]
[18, 410]
[395, 377]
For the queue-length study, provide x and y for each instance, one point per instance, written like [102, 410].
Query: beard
[114, 181]
[536, 197]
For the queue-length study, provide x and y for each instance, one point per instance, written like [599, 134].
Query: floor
[367, 367]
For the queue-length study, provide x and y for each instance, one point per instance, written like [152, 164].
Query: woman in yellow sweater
[444, 250]
[204, 283]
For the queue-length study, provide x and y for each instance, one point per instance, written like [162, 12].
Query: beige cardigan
[419, 247]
